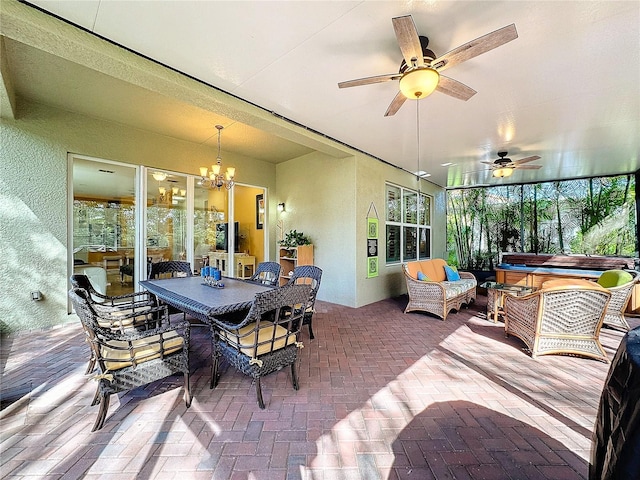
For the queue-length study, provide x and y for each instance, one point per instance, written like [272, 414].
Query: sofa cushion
[434, 269]
[451, 273]
[422, 277]
[453, 289]
[614, 278]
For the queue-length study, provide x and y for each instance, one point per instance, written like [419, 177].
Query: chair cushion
[145, 349]
[614, 278]
[451, 273]
[265, 333]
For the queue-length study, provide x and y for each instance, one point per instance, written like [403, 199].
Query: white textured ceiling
[567, 89]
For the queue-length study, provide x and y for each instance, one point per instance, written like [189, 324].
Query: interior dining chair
[266, 340]
[620, 283]
[308, 275]
[132, 357]
[267, 273]
[118, 307]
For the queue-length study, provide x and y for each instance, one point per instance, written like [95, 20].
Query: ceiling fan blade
[476, 47]
[408, 40]
[525, 160]
[489, 163]
[528, 167]
[454, 88]
[369, 80]
[395, 105]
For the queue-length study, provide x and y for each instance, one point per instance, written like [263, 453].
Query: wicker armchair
[267, 273]
[266, 340]
[563, 317]
[308, 275]
[620, 295]
[134, 357]
[118, 308]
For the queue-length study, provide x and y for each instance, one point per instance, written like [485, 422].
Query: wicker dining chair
[267, 273]
[620, 283]
[266, 340]
[133, 357]
[118, 307]
[563, 317]
[171, 268]
[308, 275]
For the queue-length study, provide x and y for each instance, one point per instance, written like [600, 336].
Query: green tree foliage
[586, 216]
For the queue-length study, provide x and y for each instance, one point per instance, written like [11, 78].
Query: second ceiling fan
[420, 71]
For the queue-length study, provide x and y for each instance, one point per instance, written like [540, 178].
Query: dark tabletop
[203, 302]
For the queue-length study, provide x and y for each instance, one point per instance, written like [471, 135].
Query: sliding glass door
[103, 223]
[116, 237]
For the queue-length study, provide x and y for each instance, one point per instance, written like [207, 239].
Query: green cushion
[614, 278]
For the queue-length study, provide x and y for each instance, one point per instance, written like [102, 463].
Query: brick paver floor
[384, 395]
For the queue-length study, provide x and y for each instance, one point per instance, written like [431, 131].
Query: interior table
[192, 296]
[495, 296]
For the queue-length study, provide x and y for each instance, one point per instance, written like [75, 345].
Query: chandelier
[215, 178]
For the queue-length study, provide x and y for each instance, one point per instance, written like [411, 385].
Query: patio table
[192, 296]
[495, 296]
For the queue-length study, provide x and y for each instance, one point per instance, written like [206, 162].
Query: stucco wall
[328, 199]
[318, 191]
[371, 177]
[33, 198]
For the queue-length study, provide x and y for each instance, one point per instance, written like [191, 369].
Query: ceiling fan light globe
[502, 172]
[419, 82]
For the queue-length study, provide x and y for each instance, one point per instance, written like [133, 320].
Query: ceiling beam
[7, 93]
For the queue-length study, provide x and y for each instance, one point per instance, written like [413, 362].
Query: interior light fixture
[502, 172]
[419, 82]
[215, 178]
[159, 176]
[281, 207]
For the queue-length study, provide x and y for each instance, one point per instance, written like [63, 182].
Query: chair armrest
[418, 286]
[468, 275]
[132, 299]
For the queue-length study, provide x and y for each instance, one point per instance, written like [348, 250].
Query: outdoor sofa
[431, 291]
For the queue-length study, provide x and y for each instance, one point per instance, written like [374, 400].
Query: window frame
[408, 214]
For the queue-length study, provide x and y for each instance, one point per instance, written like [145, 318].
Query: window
[408, 225]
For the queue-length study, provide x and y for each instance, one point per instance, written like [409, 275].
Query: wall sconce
[281, 207]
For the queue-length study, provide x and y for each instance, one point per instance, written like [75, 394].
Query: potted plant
[293, 239]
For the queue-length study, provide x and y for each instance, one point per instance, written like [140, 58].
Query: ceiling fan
[503, 166]
[420, 70]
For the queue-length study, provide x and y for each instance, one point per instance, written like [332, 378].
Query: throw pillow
[614, 278]
[423, 278]
[451, 273]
